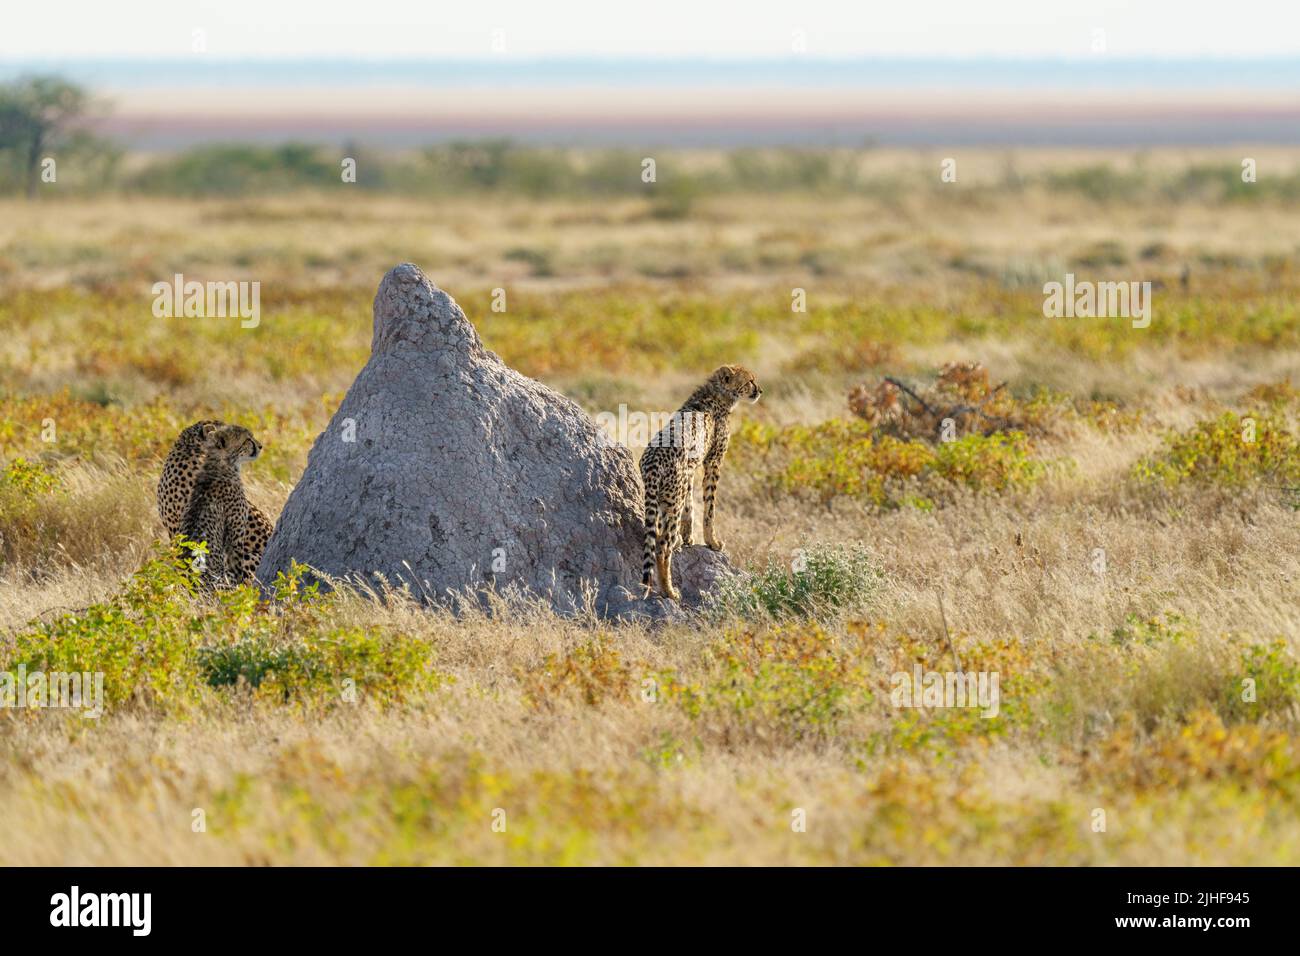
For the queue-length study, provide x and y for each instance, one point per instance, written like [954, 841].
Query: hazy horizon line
[1101, 71]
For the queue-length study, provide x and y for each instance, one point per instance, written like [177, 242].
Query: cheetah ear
[212, 435]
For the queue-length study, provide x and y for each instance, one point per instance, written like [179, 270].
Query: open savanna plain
[1116, 535]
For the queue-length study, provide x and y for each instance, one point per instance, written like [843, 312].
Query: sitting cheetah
[697, 434]
[179, 471]
[182, 472]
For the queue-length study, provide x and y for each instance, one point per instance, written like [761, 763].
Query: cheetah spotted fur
[181, 472]
[697, 435]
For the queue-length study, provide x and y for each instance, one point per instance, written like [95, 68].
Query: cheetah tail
[651, 526]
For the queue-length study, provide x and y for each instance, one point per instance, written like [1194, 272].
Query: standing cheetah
[188, 481]
[697, 434]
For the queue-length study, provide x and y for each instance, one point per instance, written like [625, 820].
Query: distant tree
[36, 114]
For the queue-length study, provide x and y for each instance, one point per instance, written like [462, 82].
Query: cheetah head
[233, 442]
[737, 383]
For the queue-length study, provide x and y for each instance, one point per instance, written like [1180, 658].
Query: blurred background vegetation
[46, 115]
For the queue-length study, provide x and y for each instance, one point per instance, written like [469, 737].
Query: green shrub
[1230, 450]
[1152, 631]
[998, 462]
[157, 645]
[1275, 677]
[238, 170]
[335, 662]
[846, 457]
[822, 583]
[28, 477]
[141, 639]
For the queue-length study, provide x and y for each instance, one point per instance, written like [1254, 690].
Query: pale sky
[647, 28]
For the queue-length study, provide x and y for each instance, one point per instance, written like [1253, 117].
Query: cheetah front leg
[712, 472]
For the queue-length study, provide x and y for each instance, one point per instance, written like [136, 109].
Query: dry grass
[1121, 683]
